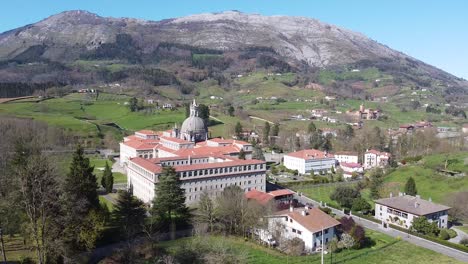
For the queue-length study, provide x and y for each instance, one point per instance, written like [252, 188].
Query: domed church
[193, 128]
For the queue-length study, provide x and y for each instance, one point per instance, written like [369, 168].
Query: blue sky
[433, 31]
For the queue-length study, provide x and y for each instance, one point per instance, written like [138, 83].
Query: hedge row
[370, 218]
[433, 239]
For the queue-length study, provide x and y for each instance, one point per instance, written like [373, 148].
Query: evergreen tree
[311, 128]
[242, 154]
[410, 187]
[80, 197]
[266, 133]
[129, 214]
[204, 112]
[107, 180]
[238, 130]
[133, 104]
[169, 202]
[231, 110]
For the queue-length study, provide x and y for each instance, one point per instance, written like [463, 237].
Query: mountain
[246, 42]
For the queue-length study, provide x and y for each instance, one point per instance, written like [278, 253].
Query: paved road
[459, 255]
[261, 119]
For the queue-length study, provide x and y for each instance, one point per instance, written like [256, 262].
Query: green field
[85, 115]
[385, 250]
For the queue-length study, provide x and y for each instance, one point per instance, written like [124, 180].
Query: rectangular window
[299, 232]
[294, 230]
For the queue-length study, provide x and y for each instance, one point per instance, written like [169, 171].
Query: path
[457, 254]
[460, 235]
[261, 119]
[217, 119]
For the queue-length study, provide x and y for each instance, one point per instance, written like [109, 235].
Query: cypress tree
[107, 180]
[410, 187]
[129, 214]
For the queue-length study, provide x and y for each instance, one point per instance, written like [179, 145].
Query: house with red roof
[308, 160]
[282, 196]
[351, 168]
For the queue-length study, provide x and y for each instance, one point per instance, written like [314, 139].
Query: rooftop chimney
[391, 194]
[304, 212]
[416, 205]
[430, 199]
[291, 208]
[400, 194]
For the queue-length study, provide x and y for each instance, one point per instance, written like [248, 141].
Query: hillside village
[139, 143]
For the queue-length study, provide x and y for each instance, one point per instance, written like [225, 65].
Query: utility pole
[322, 245]
[2, 246]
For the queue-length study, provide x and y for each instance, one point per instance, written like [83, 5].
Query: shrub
[444, 234]
[464, 242]
[452, 233]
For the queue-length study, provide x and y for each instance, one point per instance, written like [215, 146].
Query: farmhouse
[308, 160]
[403, 209]
[307, 224]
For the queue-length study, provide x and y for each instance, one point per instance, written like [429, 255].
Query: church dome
[193, 124]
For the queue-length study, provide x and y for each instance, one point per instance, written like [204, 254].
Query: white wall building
[305, 161]
[402, 210]
[350, 168]
[304, 223]
[374, 158]
[198, 174]
[347, 156]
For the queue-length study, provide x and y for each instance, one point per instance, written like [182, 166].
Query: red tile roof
[348, 153]
[141, 145]
[281, 192]
[310, 154]
[315, 220]
[379, 153]
[350, 165]
[177, 140]
[147, 164]
[261, 197]
[230, 163]
[146, 132]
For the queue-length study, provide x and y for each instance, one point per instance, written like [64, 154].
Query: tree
[242, 154]
[345, 195]
[421, 225]
[80, 197]
[311, 128]
[347, 241]
[257, 154]
[357, 232]
[238, 130]
[38, 197]
[133, 104]
[457, 202]
[231, 110]
[275, 130]
[205, 212]
[375, 183]
[266, 133]
[204, 112]
[360, 205]
[93, 226]
[169, 203]
[107, 180]
[295, 246]
[410, 187]
[129, 214]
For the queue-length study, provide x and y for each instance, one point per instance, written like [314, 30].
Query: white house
[347, 157]
[304, 223]
[305, 161]
[402, 210]
[374, 158]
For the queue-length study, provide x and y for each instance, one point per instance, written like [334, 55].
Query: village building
[307, 224]
[403, 209]
[346, 156]
[308, 160]
[374, 158]
[365, 114]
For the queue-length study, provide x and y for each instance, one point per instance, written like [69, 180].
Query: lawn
[385, 250]
[99, 165]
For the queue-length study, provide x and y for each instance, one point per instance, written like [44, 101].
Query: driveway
[457, 254]
[460, 235]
